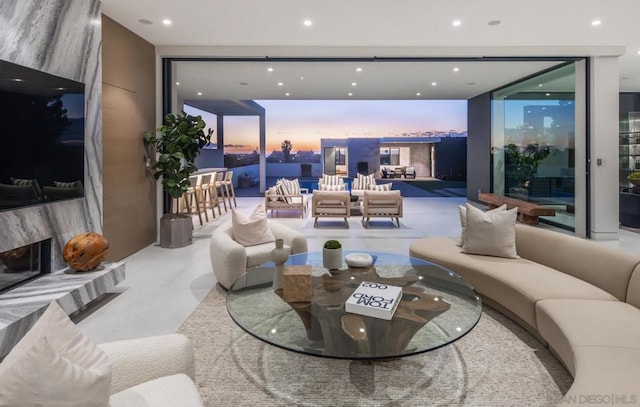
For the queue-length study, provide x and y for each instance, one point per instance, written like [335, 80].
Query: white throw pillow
[491, 233]
[272, 193]
[54, 364]
[463, 219]
[251, 230]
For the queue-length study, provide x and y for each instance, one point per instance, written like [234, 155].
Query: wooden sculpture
[84, 252]
[347, 334]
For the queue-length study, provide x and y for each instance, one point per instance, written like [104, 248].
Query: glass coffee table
[436, 309]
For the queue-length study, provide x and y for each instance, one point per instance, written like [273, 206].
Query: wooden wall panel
[128, 109]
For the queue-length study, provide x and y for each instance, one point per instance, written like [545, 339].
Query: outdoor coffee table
[437, 308]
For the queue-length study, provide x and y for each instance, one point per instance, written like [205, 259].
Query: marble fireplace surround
[63, 38]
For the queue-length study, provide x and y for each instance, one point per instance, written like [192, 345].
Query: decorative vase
[332, 258]
[279, 256]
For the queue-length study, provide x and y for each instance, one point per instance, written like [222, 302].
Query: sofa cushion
[169, 391]
[604, 376]
[633, 290]
[569, 324]
[490, 233]
[56, 363]
[516, 284]
[602, 266]
[253, 229]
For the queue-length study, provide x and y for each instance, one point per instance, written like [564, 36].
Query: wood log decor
[86, 251]
[345, 334]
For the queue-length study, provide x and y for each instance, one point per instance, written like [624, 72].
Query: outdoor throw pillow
[380, 187]
[253, 229]
[55, 364]
[463, 219]
[324, 187]
[490, 233]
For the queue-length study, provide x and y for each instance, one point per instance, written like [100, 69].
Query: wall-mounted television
[41, 137]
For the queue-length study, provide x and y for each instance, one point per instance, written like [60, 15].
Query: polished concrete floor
[163, 286]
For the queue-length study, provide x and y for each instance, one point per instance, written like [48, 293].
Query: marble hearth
[21, 307]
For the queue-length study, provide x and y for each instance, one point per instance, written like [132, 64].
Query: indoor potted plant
[332, 255]
[182, 137]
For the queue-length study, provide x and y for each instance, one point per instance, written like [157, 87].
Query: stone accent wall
[61, 37]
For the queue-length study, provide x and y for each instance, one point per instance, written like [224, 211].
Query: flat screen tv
[41, 137]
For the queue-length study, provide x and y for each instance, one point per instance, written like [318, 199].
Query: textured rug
[496, 364]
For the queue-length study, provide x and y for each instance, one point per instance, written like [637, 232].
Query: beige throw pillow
[253, 229]
[463, 219]
[54, 364]
[490, 233]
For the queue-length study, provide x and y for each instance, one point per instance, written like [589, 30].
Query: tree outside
[286, 150]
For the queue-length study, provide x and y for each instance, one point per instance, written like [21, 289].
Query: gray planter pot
[175, 231]
[332, 258]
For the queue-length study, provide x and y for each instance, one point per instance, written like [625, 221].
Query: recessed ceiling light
[547, 94]
[596, 23]
[434, 83]
[354, 84]
[470, 83]
[177, 83]
[418, 94]
[638, 51]
[456, 23]
[63, 88]
[199, 93]
[539, 85]
[307, 23]
[280, 83]
[358, 69]
[302, 78]
[270, 69]
[350, 94]
[243, 83]
[286, 94]
[145, 21]
[17, 80]
[456, 69]
[494, 22]
[166, 21]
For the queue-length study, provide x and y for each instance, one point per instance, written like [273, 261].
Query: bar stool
[228, 185]
[219, 186]
[191, 197]
[209, 194]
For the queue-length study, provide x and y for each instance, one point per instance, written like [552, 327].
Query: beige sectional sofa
[580, 297]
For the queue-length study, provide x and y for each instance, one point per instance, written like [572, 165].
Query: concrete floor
[164, 286]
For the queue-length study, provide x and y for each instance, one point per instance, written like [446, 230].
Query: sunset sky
[305, 122]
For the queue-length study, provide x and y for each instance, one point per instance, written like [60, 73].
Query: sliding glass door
[534, 142]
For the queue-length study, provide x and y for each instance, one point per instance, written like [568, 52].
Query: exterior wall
[61, 37]
[128, 81]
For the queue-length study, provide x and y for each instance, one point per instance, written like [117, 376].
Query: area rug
[496, 364]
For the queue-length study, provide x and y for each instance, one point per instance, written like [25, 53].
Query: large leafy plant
[182, 137]
[521, 163]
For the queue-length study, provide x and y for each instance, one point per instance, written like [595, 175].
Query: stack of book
[374, 300]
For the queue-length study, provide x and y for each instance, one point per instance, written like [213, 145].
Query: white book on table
[375, 300]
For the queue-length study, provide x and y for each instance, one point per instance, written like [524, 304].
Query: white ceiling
[377, 28]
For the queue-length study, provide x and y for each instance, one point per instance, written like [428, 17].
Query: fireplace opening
[23, 264]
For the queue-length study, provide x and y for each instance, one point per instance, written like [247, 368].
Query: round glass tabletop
[300, 306]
